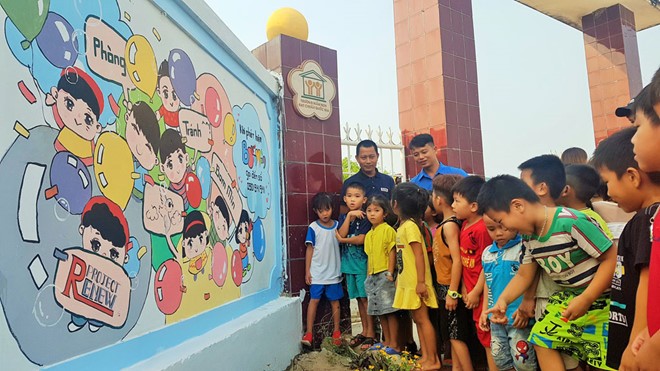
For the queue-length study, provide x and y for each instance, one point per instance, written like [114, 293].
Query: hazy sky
[533, 88]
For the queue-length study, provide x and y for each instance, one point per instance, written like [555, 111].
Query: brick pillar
[312, 164]
[437, 80]
[610, 43]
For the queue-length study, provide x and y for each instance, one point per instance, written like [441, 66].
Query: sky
[533, 88]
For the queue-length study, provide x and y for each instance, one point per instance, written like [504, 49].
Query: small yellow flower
[371, 367]
[416, 356]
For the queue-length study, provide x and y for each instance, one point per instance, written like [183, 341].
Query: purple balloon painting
[57, 41]
[182, 74]
[73, 182]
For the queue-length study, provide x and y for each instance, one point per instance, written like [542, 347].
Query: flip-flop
[377, 346]
[392, 351]
[357, 340]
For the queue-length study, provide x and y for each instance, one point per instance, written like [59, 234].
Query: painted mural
[137, 176]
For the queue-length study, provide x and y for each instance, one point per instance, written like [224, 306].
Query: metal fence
[392, 158]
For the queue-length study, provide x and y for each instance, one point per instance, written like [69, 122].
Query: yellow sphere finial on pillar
[287, 21]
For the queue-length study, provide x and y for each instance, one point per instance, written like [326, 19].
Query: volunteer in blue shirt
[424, 153]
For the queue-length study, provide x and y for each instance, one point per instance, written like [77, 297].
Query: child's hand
[498, 312]
[472, 300]
[639, 341]
[390, 277]
[527, 307]
[520, 319]
[628, 360]
[340, 238]
[483, 322]
[576, 308]
[308, 278]
[450, 304]
[421, 290]
[355, 214]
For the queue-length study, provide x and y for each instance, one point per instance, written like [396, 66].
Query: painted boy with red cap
[77, 103]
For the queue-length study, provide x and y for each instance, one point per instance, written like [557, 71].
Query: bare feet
[431, 365]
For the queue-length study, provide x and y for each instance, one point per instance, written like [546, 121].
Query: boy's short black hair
[367, 143]
[357, 185]
[647, 99]
[547, 169]
[71, 83]
[497, 194]
[322, 201]
[469, 187]
[443, 184]
[103, 220]
[222, 206]
[145, 118]
[421, 140]
[170, 142]
[163, 70]
[584, 180]
[615, 153]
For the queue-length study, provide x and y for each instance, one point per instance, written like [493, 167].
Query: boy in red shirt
[474, 238]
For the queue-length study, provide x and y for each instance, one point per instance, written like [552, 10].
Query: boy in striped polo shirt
[575, 253]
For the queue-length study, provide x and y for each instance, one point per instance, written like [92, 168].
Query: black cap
[629, 109]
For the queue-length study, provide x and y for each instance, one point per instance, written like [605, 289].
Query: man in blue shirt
[424, 153]
[373, 181]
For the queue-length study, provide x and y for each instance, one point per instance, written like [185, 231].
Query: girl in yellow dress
[414, 287]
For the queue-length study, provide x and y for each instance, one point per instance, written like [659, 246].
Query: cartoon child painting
[219, 221]
[143, 138]
[174, 163]
[169, 111]
[77, 103]
[104, 231]
[243, 237]
[195, 249]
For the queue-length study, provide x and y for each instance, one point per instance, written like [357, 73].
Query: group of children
[590, 304]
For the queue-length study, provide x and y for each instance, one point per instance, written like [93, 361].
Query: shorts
[483, 336]
[584, 339]
[355, 285]
[332, 291]
[380, 294]
[456, 324]
[510, 348]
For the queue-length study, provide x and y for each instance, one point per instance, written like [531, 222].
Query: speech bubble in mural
[161, 210]
[92, 286]
[35, 323]
[105, 52]
[225, 186]
[196, 128]
[251, 160]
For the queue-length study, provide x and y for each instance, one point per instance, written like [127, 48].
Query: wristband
[454, 294]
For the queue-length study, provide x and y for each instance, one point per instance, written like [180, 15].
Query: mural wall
[140, 177]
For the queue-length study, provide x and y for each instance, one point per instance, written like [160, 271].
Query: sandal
[367, 343]
[392, 351]
[357, 340]
[377, 346]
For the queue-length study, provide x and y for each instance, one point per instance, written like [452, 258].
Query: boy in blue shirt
[501, 262]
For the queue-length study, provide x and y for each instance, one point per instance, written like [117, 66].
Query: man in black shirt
[374, 182]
